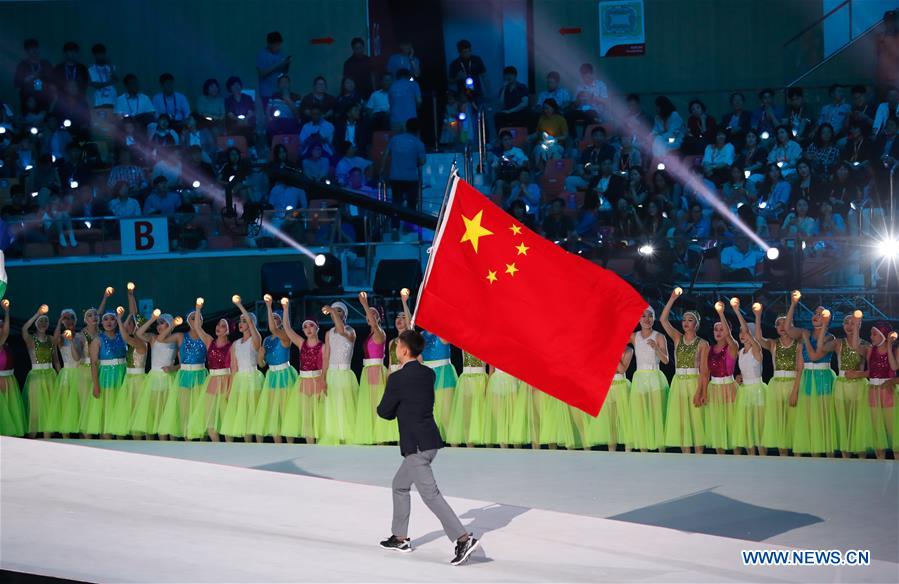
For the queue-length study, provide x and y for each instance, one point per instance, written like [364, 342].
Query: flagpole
[448, 193]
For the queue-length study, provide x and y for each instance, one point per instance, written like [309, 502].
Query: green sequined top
[392, 359]
[43, 351]
[850, 360]
[685, 355]
[469, 360]
[785, 357]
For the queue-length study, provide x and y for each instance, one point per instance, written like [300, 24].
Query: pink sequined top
[879, 365]
[721, 363]
[219, 357]
[373, 350]
[5, 359]
[311, 357]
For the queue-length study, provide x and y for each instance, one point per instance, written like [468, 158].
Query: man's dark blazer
[409, 397]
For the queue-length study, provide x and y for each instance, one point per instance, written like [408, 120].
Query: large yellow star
[516, 229]
[474, 230]
[491, 275]
[522, 249]
[511, 269]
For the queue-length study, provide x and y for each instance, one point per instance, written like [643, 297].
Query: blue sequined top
[805, 356]
[192, 351]
[435, 349]
[275, 352]
[112, 348]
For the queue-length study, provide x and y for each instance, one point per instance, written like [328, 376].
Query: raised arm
[377, 332]
[824, 342]
[757, 333]
[254, 332]
[106, 294]
[891, 345]
[197, 325]
[404, 298]
[138, 344]
[132, 300]
[792, 331]
[282, 336]
[142, 333]
[754, 345]
[26, 333]
[666, 312]
[729, 337]
[339, 326]
[294, 337]
[4, 331]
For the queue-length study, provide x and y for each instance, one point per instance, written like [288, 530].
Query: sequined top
[879, 365]
[112, 348]
[5, 359]
[219, 357]
[135, 360]
[275, 352]
[721, 362]
[340, 349]
[43, 351]
[373, 350]
[685, 355]
[813, 341]
[435, 348]
[850, 359]
[785, 357]
[391, 350]
[469, 360]
[311, 357]
[192, 351]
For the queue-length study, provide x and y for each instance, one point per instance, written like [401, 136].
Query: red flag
[523, 304]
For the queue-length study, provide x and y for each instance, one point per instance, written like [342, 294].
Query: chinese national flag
[523, 304]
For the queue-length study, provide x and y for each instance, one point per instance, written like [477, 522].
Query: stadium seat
[239, 142]
[519, 134]
[291, 142]
[38, 250]
[552, 183]
[109, 247]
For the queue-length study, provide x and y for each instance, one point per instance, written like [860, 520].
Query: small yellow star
[511, 269]
[522, 249]
[491, 275]
[516, 229]
[474, 230]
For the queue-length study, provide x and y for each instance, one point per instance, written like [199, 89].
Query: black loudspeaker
[394, 275]
[328, 276]
[284, 279]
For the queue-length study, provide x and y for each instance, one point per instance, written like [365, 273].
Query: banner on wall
[622, 30]
[144, 235]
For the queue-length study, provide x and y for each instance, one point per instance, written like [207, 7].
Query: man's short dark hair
[795, 91]
[412, 125]
[554, 75]
[357, 41]
[586, 68]
[231, 81]
[98, 49]
[166, 77]
[129, 78]
[413, 341]
[766, 91]
[510, 70]
[273, 38]
[30, 44]
[462, 45]
[319, 78]
[70, 46]
[833, 87]
[505, 133]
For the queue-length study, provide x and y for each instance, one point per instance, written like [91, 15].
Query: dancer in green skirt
[720, 394]
[882, 365]
[40, 385]
[777, 431]
[280, 378]
[69, 380]
[684, 418]
[749, 413]
[147, 416]
[507, 402]
[469, 404]
[304, 404]
[12, 409]
[339, 409]
[649, 388]
[613, 424]
[135, 361]
[247, 380]
[109, 410]
[370, 427]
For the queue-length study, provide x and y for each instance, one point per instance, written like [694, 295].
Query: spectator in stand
[44, 180]
[358, 67]
[72, 170]
[377, 108]
[668, 129]
[668, 194]
[798, 223]
[888, 50]
[513, 100]
[785, 153]
[317, 129]
[553, 91]
[798, 115]
[829, 224]
[72, 105]
[349, 161]
[654, 225]
[103, 78]
[193, 136]
[240, 112]
[282, 197]
[696, 225]
[132, 103]
[58, 223]
[356, 182]
[405, 99]
[551, 136]
[33, 75]
[634, 122]
[315, 165]
[738, 191]
[599, 149]
[351, 130]
[739, 262]
[843, 189]
[126, 172]
[738, 122]
[596, 91]
[635, 190]
[406, 155]
[509, 161]
[170, 102]
[627, 157]
[608, 185]
[837, 111]
[468, 73]
[886, 152]
[34, 113]
[161, 200]
[405, 59]
[774, 194]
[523, 214]
[588, 221]
[626, 220]
[211, 104]
[72, 69]
[198, 170]
[718, 158]
[863, 111]
[859, 149]
[886, 110]
[162, 136]
[283, 109]
[348, 98]
[767, 116]
[270, 65]
[55, 138]
[823, 153]
[122, 204]
[557, 225]
[701, 129]
[319, 98]
[754, 157]
[527, 192]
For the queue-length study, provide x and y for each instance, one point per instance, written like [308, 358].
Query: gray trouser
[416, 470]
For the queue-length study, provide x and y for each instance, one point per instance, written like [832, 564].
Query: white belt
[723, 380]
[42, 365]
[340, 366]
[7, 373]
[817, 366]
[71, 365]
[437, 363]
[656, 368]
[619, 377]
[843, 373]
[135, 371]
[783, 373]
[481, 369]
[372, 361]
[111, 362]
[752, 381]
[219, 372]
[192, 367]
[394, 368]
[878, 381]
[86, 361]
[686, 371]
[311, 374]
[279, 367]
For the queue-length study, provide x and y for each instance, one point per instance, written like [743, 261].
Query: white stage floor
[105, 514]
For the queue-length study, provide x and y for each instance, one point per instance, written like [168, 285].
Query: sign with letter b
[144, 235]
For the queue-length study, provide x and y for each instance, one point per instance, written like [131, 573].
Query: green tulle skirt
[305, 404]
[684, 422]
[749, 416]
[272, 405]
[467, 423]
[151, 402]
[185, 390]
[815, 430]
[526, 416]
[556, 427]
[612, 425]
[117, 406]
[371, 428]
[12, 408]
[246, 386]
[719, 415]
[853, 417]
[208, 409]
[649, 390]
[880, 433]
[105, 414]
[445, 382]
[339, 409]
[41, 401]
[777, 430]
[507, 410]
[72, 383]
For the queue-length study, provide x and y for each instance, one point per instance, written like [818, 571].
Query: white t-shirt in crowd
[127, 105]
[105, 96]
[379, 101]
